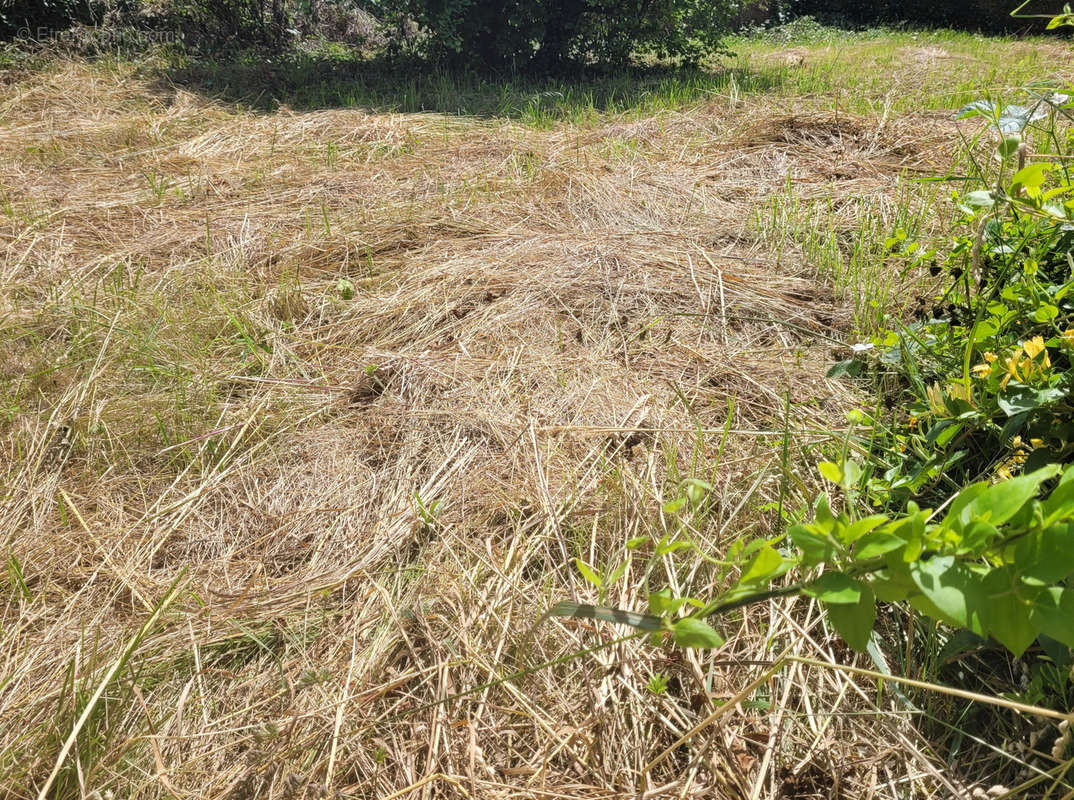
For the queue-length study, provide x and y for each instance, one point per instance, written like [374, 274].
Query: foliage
[995, 564]
[551, 33]
[198, 22]
[1066, 17]
[987, 374]
[241, 22]
[31, 18]
[468, 33]
[545, 34]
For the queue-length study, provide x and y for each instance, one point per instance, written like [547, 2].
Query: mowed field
[309, 410]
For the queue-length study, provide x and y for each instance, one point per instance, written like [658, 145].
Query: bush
[555, 33]
[35, 18]
[989, 371]
[201, 22]
[238, 22]
[546, 34]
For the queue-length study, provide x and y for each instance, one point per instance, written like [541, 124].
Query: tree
[551, 34]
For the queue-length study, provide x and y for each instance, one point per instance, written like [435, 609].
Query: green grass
[844, 237]
[827, 68]
[874, 71]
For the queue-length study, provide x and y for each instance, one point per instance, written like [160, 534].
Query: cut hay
[367, 503]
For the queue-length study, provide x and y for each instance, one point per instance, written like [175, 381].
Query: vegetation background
[278, 21]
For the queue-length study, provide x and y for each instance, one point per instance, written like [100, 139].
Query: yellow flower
[1016, 442]
[1035, 443]
[1034, 347]
[1067, 338]
[1012, 371]
[990, 357]
[982, 370]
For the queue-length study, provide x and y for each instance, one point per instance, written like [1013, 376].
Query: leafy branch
[995, 564]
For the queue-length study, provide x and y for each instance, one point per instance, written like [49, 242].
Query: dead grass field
[219, 573]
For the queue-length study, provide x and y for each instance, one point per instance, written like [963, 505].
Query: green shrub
[554, 33]
[32, 19]
[996, 563]
[987, 374]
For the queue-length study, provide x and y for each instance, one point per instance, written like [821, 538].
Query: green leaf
[876, 544]
[1017, 401]
[1059, 506]
[764, 566]
[816, 547]
[1014, 119]
[588, 573]
[950, 592]
[822, 512]
[856, 530]
[985, 330]
[1046, 555]
[1058, 652]
[1031, 178]
[982, 198]
[961, 501]
[617, 573]
[997, 504]
[851, 473]
[977, 536]
[568, 608]
[636, 542]
[662, 603]
[1004, 614]
[693, 632]
[830, 471]
[674, 506]
[893, 585]
[911, 529]
[835, 588]
[850, 368]
[1045, 312]
[664, 546]
[1009, 146]
[947, 434]
[1052, 613]
[854, 621]
[961, 644]
[978, 108]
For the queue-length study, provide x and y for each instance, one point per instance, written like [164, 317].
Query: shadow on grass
[307, 81]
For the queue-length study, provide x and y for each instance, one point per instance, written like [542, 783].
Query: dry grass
[548, 331]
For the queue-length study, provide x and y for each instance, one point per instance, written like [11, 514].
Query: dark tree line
[992, 16]
[511, 34]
